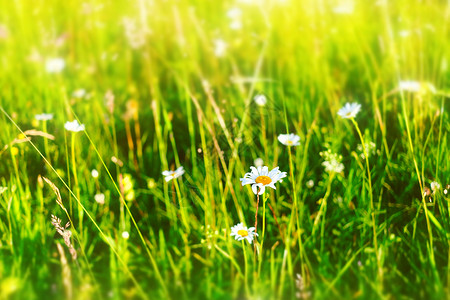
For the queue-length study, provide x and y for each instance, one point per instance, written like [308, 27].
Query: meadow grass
[164, 84]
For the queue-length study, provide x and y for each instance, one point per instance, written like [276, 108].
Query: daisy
[100, 198]
[350, 110]
[409, 86]
[289, 139]
[55, 65]
[74, 126]
[417, 87]
[94, 173]
[169, 175]
[260, 177]
[241, 232]
[125, 235]
[79, 93]
[260, 100]
[43, 117]
[220, 48]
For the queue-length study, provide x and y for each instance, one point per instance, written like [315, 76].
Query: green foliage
[171, 83]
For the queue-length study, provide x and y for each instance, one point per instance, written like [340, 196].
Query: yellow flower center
[263, 179]
[289, 142]
[243, 232]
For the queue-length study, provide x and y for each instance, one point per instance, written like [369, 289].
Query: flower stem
[182, 208]
[295, 209]
[47, 153]
[256, 217]
[77, 188]
[247, 291]
[265, 197]
[372, 208]
[256, 213]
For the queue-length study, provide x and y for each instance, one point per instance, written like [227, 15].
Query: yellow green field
[131, 129]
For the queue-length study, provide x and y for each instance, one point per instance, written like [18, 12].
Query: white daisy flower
[100, 198]
[404, 33]
[220, 47]
[55, 65]
[43, 117]
[79, 93]
[241, 232]
[435, 186]
[289, 139]
[260, 99]
[260, 177]
[74, 126]
[417, 87]
[94, 173]
[350, 110]
[169, 175]
[409, 86]
[125, 235]
[258, 162]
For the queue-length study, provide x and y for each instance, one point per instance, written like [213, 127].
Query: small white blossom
[43, 117]
[289, 139]
[234, 13]
[435, 186]
[349, 110]
[235, 16]
[79, 93]
[100, 198]
[220, 47]
[260, 99]
[332, 162]
[125, 235]
[55, 65]
[404, 33]
[417, 87]
[258, 162]
[74, 126]
[310, 184]
[409, 86]
[169, 175]
[370, 148]
[94, 173]
[344, 8]
[134, 32]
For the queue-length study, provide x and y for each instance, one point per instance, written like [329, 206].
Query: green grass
[367, 232]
